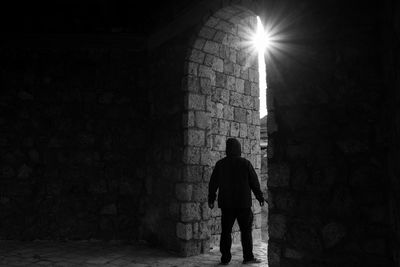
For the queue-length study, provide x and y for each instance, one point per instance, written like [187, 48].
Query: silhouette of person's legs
[227, 220]
[245, 221]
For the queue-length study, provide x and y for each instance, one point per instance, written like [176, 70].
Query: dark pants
[245, 219]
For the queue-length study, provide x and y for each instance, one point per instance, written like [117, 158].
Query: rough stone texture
[229, 111]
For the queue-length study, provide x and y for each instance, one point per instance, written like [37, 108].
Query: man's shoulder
[239, 160]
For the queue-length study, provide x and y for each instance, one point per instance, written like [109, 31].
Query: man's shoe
[255, 260]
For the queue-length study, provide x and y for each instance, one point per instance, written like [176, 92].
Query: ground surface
[74, 253]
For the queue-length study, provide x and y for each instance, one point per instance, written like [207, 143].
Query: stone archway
[221, 100]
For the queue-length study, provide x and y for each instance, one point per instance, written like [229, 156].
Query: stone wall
[222, 100]
[72, 140]
[327, 187]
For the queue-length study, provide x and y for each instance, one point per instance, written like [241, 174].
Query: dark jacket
[234, 177]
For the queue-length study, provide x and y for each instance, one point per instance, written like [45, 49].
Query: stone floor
[80, 253]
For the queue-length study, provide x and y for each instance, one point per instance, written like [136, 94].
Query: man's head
[233, 147]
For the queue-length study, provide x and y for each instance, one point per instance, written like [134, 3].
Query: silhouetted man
[234, 177]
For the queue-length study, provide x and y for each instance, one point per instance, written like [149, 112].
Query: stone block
[224, 127]
[239, 85]
[199, 43]
[214, 157]
[195, 102]
[228, 112]
[256, 105]
[202, 120]
[212, 48]
[207, 32]
[235, 129]
[255, 146]
[218, 64]
[212, 22]
[230, 83]
[205, 157]
[207, 173]
[224, 26]
[194, 137]
[245, 145]
[240, 115]
[219, 36]
[220, 95]
[236, 99]
[200, 192]
[184, 231]
[256, 118]
[207, 72]
[206, 84]
[191, 68]
[232, 55]
[220, 79]
[228, 68]
[255, 90]
[191, 84]
[237, 70]
[243, 133]
[219, 110]
[183, 191]
[251, 131]
[244, 74]
[197, 56]
[201, 230]
[190, 212]
[214, 125]
[192, 173]
[241, 58]
[208, 60]
[248, 102]
[219, 142]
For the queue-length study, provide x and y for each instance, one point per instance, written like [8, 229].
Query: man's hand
[211, 205]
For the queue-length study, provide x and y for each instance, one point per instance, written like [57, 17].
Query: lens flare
[261, 41]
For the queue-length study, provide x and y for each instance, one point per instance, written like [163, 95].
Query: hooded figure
[235, 178]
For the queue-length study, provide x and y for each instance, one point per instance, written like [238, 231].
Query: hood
[233, 147]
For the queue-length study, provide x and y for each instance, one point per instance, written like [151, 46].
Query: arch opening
[222, 100]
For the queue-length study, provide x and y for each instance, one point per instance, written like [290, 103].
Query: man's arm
[255, 185]
[213, 187]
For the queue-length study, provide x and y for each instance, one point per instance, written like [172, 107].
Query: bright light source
[262, 41]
